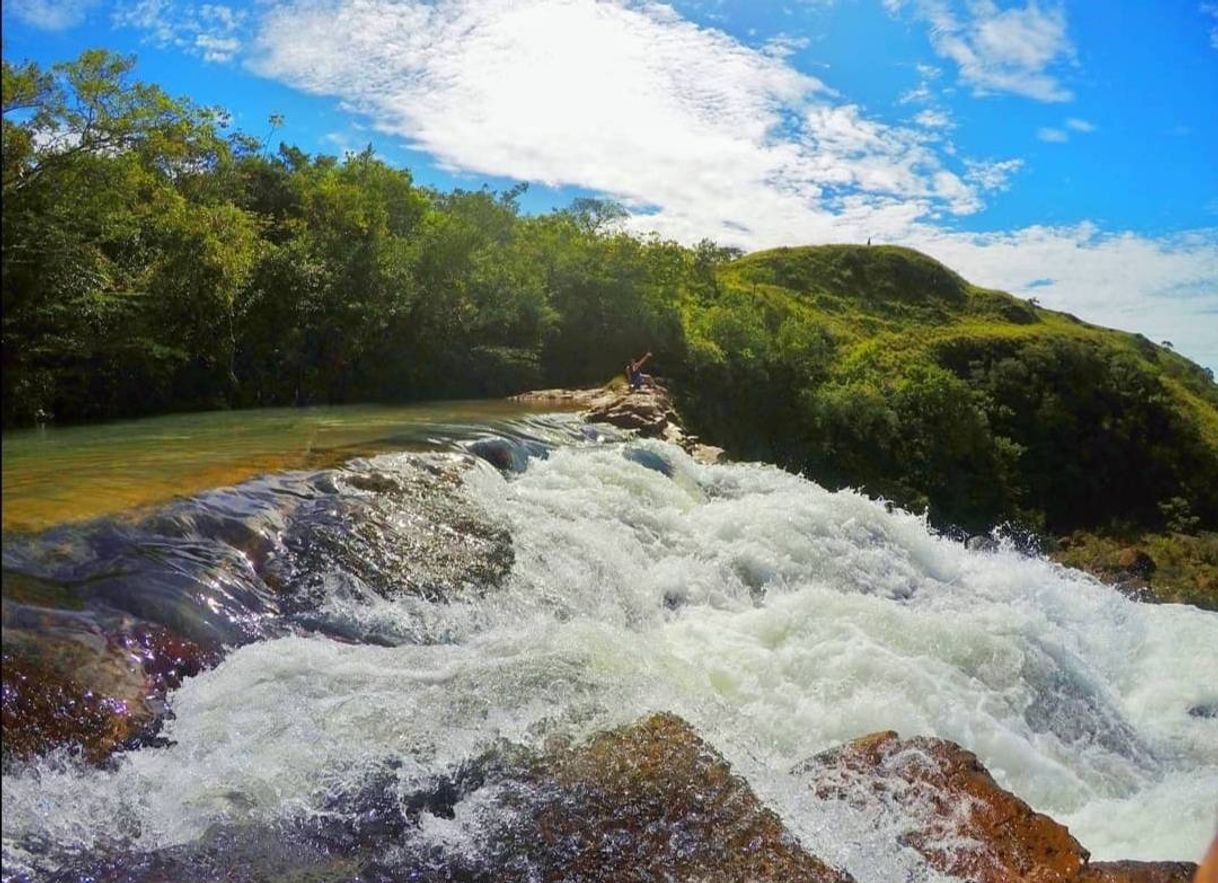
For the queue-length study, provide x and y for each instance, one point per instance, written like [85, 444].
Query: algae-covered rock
[89, 685]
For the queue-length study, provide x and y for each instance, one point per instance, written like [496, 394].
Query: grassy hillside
[879, 368]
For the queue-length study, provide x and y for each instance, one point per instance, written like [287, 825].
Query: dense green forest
[154, 261]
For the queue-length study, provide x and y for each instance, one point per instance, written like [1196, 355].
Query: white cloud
[992, 174]
[999, 50]
[934, 119]
[626, 99]
[703, 136]
[1165, 288]
[209, 30]
[216, 48]
[1211, 9]
[922, 93]
[50, 15]
[784, 45]
[1061, 134]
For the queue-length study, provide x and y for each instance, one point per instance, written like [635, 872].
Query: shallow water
[778, 618]
[53, 474]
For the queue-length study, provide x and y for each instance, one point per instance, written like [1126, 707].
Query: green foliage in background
[879, 368]
[154, 261]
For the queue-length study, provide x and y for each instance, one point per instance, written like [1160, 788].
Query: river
[487, 575]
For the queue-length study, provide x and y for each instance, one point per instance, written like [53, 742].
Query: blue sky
[1059, 149]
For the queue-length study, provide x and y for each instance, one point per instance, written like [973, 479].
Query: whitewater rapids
[776, 617]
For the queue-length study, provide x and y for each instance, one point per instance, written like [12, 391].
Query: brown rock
[652, 801]
[1138, 872]
[73, 685]
[648, 411]
[967, 825]
[1136, 562]
[571, 398]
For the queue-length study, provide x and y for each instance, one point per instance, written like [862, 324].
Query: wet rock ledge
[648, 411]
[646, 802]
[959, 819]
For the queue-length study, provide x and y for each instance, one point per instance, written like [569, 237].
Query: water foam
[778, 618]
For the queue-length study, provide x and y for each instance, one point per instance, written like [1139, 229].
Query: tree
[91, 160]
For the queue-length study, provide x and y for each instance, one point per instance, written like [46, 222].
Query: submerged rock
[89, 685]
[960, 820]
[102, 619]
[392, 532]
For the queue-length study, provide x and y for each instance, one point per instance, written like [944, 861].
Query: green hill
[879, 368]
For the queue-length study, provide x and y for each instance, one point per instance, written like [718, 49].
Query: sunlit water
[53, 474]
[778, 618]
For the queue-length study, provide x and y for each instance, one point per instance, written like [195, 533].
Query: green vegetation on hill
[154, 261]
[879, 368]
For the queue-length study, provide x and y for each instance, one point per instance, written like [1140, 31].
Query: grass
[878, 367]
[1185, 566]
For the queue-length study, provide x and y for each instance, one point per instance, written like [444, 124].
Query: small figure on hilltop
[635, 376]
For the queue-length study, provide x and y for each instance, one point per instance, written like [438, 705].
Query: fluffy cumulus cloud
[1014, 50]
[50, 15]
[701, 135]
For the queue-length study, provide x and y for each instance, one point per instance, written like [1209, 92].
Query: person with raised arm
[635, 376]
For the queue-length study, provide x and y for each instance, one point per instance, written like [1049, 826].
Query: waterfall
[778, 618]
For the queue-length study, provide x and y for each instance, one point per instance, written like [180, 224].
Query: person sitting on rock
[635, 376]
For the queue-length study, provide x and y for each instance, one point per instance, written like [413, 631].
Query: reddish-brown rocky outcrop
[1139, 872]
[91, 691]
[960, 820]
[653, 801]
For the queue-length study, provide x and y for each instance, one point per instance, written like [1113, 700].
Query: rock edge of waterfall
[648, 411]
[648, 801]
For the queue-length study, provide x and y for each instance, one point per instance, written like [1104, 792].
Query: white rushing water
[778, 618]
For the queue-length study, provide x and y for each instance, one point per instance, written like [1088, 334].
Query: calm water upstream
[497, 577]
[53, 474]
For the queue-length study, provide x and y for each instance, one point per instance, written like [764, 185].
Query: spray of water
[778, 618]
